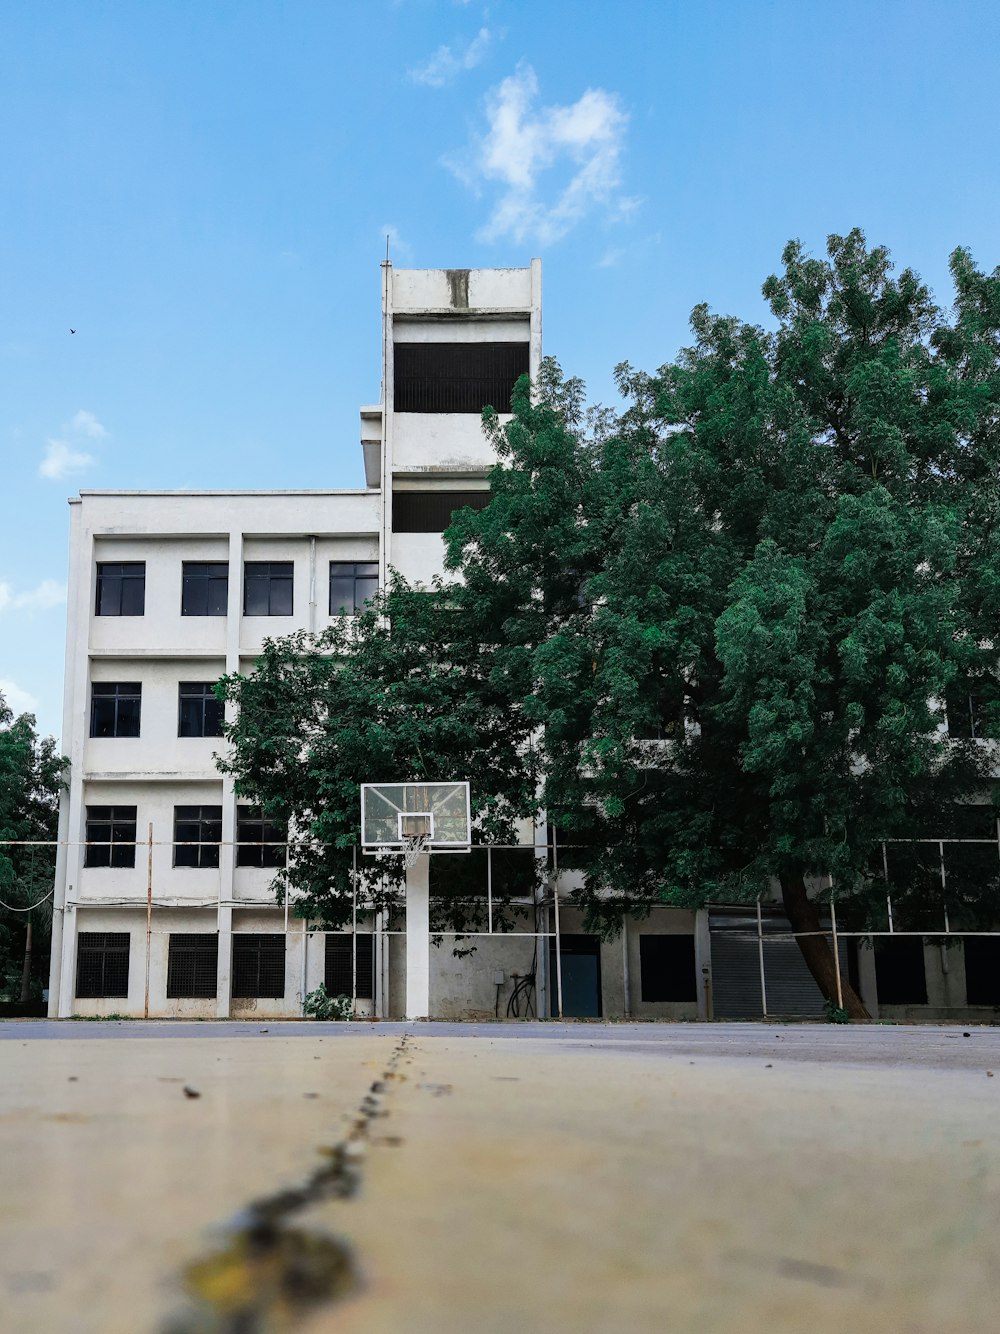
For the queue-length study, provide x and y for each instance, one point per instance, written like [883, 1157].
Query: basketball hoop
[413, 846]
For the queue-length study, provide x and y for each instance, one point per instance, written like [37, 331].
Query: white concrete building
[163, 904]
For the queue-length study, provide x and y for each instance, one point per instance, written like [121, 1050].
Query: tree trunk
[26, 972]
[804, 916]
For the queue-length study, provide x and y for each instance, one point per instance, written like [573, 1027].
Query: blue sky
[202, 190]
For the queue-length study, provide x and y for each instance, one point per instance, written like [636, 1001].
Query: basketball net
[413, 846]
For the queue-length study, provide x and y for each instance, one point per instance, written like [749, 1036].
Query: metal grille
[456, 377]
[431, 511]
[258, 965]
[193, 964]
[666, 968]
[337, 977]
[791, 989]
[102, 963]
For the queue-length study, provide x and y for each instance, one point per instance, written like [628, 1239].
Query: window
[259, 842]
[204, 588]
[115, 708]
[258, 965]
[666, 968]
[121, 588]
[267, 588]
[352, 583]
[431, 511]
[102, 963]
[965, 711]
[192, 964]
[199, 713]
[899, 970]
[456, 377]
[982, 970]
[337, 977]
[197, 835]
[110, 836]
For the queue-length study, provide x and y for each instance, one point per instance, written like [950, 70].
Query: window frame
[273, 580]
[121, 835]
[205, 851]
[189, 579]
[114, 947]
[248, 943]
[197, 959]
[116, 691]
[199, 692]
[342, 566]
[263, 852]
[339, 942]
[125, 580]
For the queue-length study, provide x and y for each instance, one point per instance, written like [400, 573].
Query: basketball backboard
[395, 816]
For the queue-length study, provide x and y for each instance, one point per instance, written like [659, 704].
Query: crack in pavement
[268, 1274]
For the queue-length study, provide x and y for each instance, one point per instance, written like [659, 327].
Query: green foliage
[711, 634]
[402, 692]
[319, 1004]
[30, 780]
[834, 1013]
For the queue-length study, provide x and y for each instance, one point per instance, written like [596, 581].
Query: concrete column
[75, 730]
[418, 943]
[703, 963]
[227, 853]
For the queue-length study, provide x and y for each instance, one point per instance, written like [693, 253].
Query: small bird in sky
[72, 331]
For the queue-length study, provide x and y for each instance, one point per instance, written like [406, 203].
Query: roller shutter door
[736, 970]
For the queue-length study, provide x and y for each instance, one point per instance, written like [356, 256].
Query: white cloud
[47, 594]
[19, 700]
[64, 456]
[61, 459]
[87, 424]
[573, 151]
[449, 61]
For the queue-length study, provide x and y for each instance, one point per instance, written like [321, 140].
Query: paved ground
[562, 1177]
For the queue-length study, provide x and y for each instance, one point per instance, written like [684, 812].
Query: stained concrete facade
[414, 451]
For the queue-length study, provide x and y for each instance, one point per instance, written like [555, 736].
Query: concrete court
[589, 1177]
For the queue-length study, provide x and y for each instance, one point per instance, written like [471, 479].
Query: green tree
[30, 781]
[397, 694]
[780, 559]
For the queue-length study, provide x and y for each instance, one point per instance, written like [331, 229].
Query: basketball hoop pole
[418, 942]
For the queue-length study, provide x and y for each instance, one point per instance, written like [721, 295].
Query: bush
[321, 1005]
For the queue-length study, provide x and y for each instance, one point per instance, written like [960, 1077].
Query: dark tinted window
[121, 588]
[115, 708]
[258, 965]
[197, 835]
[431, 511]
[205, 588]
[352, 583]
[666, 966]
[110, 836]
[457, 377]
[982, 970]
[899, 970]
[102, 963]
[192, 964]
[199, 713]
[338, 977]
[267, 588]
[259, 842]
